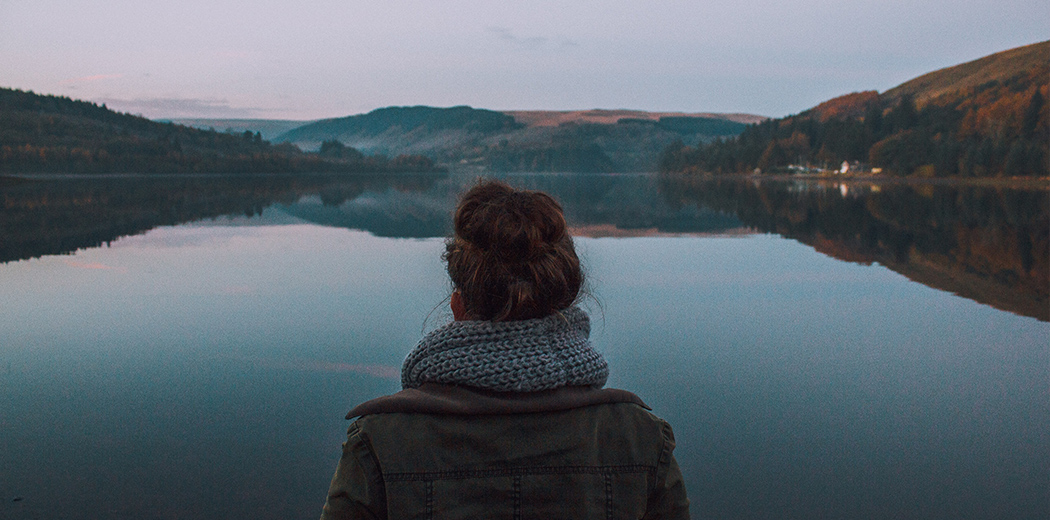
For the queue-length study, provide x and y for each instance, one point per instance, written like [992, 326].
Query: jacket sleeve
[668, 499]
[357, 490]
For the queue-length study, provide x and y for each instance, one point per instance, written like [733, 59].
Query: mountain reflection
[594, 205]
[991, 245]
[988, 244]
[59, 216]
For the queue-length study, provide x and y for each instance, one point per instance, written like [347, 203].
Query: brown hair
[511, 257]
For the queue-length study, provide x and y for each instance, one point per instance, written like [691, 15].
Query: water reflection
[203, 370]
[988, 244]
[57, 216]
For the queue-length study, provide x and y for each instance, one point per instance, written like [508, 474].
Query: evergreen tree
[1030, 122]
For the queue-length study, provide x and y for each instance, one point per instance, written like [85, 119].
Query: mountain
[394, 130]
[984, 118]
[960, 79]
[53, 134]
[609, 117]
[487, 140]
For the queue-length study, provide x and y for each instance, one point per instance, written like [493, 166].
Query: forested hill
[985, 118]
[486, 140]
[402, 120]
[52, 134]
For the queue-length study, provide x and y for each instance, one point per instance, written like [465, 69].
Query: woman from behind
[503, 414]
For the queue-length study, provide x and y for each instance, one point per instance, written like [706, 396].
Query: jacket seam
[368, 447]
[518, 472]
[517, 497]
[430, 499]
[663, 466]
[608, 497]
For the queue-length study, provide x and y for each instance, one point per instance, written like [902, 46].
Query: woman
[503, 414]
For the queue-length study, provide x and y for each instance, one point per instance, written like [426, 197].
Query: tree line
[998, 129]
[54, 134]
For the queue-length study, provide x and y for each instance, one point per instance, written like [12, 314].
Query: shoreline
[1042, 183]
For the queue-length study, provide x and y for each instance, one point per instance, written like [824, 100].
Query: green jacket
[443, 451]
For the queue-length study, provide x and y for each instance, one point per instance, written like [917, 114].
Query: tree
[337, 150]
[873, 120]
[1030, 123]
[772, 157]
[904, 116]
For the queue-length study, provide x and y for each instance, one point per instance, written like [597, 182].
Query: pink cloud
[380, 371]
[94, 265]
[88, 79]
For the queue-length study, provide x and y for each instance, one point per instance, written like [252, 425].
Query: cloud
[380, 371]
[90, 79]
[157, 108]
[507, 37]
[94, 266]
[504, 34]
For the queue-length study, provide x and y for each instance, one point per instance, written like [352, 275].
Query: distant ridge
[524, 140]
[610, 117]
[395, 129]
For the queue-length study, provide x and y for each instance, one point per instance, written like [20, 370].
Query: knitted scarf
[509, 356]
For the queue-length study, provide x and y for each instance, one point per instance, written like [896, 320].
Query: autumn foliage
[999, 128]
[849, 106]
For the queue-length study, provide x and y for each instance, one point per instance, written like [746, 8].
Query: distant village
[847, 168]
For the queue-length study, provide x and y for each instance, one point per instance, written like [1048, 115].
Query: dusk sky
[312, 59]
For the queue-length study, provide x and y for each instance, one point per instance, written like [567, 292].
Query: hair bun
[511, 256]
[515, 226]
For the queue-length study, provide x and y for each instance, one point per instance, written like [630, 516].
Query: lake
[188, 347]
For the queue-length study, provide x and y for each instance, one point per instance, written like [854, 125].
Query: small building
[855, 167]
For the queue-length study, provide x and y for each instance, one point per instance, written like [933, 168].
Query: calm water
[187, 348]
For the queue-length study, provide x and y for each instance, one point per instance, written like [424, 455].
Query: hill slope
[984, 118]
[393, 127]
[610, 117]
[486, 140]
[951, 81]
[52, 134]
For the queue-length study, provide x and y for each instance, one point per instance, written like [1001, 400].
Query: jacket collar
[441, 399]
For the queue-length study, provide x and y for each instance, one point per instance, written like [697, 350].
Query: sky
[311, 59]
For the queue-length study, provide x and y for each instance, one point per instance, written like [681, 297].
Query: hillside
[984, 118]
[960, 79]
[53, 134]
[608, 117]
[486, 140]
[381, 128]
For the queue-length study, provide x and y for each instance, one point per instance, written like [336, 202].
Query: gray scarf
[509, 356]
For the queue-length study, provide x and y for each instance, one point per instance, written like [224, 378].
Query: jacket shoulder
[441, 399]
